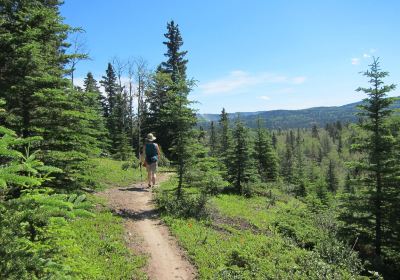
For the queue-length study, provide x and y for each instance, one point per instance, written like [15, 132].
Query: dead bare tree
[141, 74]
[78, 51]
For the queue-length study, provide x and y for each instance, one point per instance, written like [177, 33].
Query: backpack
[151, 153]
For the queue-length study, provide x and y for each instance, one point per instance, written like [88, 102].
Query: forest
[244, 201]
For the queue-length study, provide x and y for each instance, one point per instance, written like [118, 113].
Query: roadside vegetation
[246, 203]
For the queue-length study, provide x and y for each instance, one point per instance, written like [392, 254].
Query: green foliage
[256, 239]
[35, 235]
[107, 173]
[176, 63]
[103, 254]
[115, 109]
[241, 168]
[369, 211]
[265, 155]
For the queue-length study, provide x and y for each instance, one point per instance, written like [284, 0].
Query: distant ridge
[304, 118]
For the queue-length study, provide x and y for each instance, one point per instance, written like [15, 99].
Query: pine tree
[225, 134]
[168, 78]
[378, 186]
[93, 99]
[274, 140]
[117, 115]
[315, 133]
[176, 63]
[331, 177]
[177, 114]
[265, 155]
[39, 99]
[287, 164]
[241, 168]
[213, 140]
[32, 55]
[157, 98]
[299, 178]
[111, 88]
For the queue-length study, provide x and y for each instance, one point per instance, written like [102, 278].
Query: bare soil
[146, 234]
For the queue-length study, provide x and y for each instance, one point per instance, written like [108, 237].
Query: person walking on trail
[151, 157]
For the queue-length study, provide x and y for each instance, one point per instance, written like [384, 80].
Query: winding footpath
[146, 234]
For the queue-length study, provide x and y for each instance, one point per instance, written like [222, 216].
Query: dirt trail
[135, 203]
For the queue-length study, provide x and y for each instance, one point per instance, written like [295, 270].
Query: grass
[109, 173]
[99, 250]
[273, 237]
[103, 253]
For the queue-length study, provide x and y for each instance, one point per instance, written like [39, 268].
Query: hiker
[151, 154]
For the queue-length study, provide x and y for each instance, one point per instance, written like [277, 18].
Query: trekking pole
[139, 130]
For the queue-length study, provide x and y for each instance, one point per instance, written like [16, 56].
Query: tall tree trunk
[378, 217]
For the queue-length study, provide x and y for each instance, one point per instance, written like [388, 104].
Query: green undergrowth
[97, 247]
[102, 252]
[275, 237]
[113, 173]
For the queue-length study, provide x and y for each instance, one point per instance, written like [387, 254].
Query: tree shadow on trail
[134, 189]
[150, 214]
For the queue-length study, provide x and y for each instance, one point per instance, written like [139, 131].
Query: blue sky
[250, 55]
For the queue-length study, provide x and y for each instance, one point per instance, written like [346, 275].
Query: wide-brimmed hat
[150, 137]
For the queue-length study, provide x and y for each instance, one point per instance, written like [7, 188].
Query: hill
[293, 118]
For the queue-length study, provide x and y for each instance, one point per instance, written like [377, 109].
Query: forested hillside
[285, 119]
[319, 200]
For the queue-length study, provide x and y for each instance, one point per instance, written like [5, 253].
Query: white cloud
[355, 61]
[286, 90]
[298, 80]
[78, 82]
[264, 97]
[366, 55]
[239, 80]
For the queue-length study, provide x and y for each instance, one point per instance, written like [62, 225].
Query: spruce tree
[168, 78]
[241, 168]
[213, 140]
[331, 176]
[40, 99]
[32, 54]
[177, 114]
[94, 100]
[299, 176]
[265, 155]
[225, 134]
[274, 140]
[376, 189]
[111, 89]
[287, 163]
[176, 62]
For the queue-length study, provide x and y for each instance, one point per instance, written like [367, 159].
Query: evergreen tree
[241, 163]
[168, 78]
[225, 134]
[213, 140]
[176, 63]
[315, 133]
[40, 100]
[265, 155]
[274, 140]
[111, 88]
[299, 162]
[377, 188]
[32, 55]
[178, 115]
[287, 163]
[157, 98]
[117, 115]
[331, 177]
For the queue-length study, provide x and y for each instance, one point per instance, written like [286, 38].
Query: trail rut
[166, 259]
